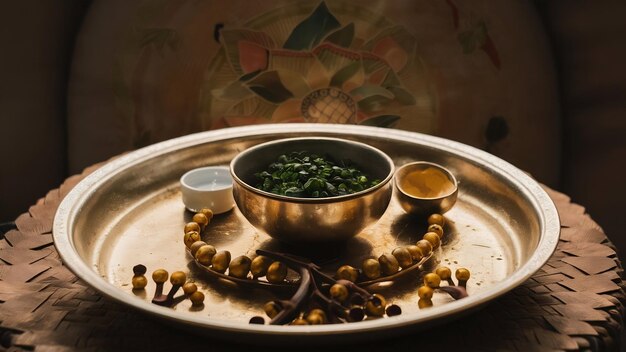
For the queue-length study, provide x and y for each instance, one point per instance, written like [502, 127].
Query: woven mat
[576, 301]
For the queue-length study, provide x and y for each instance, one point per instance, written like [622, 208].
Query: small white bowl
[208, 187]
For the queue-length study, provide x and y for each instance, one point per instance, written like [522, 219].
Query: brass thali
[503, 228]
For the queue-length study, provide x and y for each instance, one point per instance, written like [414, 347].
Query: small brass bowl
[312, 220]
[425, 204]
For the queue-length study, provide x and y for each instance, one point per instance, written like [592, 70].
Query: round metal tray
[503, 228]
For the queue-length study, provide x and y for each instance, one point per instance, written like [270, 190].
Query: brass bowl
[312, 220]
[425, 205]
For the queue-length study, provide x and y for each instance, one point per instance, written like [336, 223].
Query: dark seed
[393, 310]
[257, 320]
[356, 314]
[357, 300]
[139, 269]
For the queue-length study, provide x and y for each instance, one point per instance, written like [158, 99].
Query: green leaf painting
[402, 96]
[374, 103]
[345, 74]
[312, 30]
[342, 37]
[268, 86]
[391, 80]
[366, 91]
[234, 91]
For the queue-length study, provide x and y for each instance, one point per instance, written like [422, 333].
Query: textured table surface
[575, 302]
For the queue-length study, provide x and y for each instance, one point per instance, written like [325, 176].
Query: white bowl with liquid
[208, 187]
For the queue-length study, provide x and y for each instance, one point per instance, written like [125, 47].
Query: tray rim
[548, 219]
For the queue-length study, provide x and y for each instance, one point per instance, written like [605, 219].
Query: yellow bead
[346, 272]
[160, 276]
[190, 238]
[376, 306]
[371, 268]
[444, 272]
[197, 298]
[204, 254]
[432, 280]
[416, 253]
[436, 219]
[178, 278]
[436, 229]
[433, 238]
[139, 282]
[339, 292]
[403, 256]
[207, 212]
[189, 288]
[462, 274]
[388, 264]
[276, 273]
[201, 220]
[192, 226]
[425, 292]
[424, 303]
[425, 246]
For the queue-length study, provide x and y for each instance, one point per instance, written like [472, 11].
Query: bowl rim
[321, 200]
[186, 185]
[438, 166]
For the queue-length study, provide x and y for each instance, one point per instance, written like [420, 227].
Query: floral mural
[321, 70]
